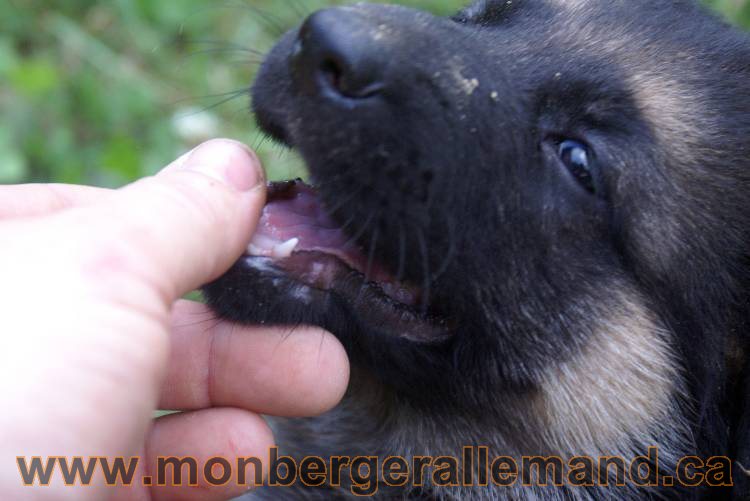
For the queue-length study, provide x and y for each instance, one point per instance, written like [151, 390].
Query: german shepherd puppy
[530, 228]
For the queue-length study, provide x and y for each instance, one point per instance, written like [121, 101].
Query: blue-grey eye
[577, 158]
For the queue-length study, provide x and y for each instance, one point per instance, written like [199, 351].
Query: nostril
[332, 73]
[334, 57]
[356, 83]
[336, 76]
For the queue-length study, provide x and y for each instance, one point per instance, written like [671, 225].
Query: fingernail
[227, 161]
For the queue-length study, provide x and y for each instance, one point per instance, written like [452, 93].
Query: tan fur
[627, 356]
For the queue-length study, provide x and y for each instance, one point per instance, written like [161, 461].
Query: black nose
[336, 55]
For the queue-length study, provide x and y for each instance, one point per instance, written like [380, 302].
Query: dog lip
[318, 271]
[328, 272]
[325, 260]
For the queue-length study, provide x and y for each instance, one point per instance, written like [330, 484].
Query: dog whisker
[343, 202]
[401, 252]
[370, 262]
[427, 279]
[274, 23]
[227, 97]
[451, 249]
[227, 47]
[358, 234]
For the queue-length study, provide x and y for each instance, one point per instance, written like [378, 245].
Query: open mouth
[296, 236]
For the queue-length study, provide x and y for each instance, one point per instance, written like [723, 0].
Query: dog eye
[577, 157]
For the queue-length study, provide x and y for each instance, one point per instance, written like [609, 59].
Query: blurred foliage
[104, 92]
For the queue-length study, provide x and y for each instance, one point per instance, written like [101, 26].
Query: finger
[29, 200]
[232, 435]
[185, 226]
[281, 372]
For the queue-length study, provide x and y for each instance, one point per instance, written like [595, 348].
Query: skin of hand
[95, 337]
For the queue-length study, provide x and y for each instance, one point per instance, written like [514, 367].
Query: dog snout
[336, 56]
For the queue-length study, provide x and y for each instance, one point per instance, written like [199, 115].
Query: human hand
[94, 336]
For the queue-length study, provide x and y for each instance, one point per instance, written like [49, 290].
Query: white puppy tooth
[285, 250]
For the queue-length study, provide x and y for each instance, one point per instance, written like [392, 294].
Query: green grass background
[105, 92]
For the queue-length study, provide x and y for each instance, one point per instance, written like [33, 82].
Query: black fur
[449, 173]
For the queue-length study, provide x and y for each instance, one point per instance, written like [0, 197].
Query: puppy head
[497, 192]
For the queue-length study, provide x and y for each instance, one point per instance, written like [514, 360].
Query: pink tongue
[294, 221]
[296, 215]
[302, 217]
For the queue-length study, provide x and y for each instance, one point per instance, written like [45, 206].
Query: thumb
[188, 224]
